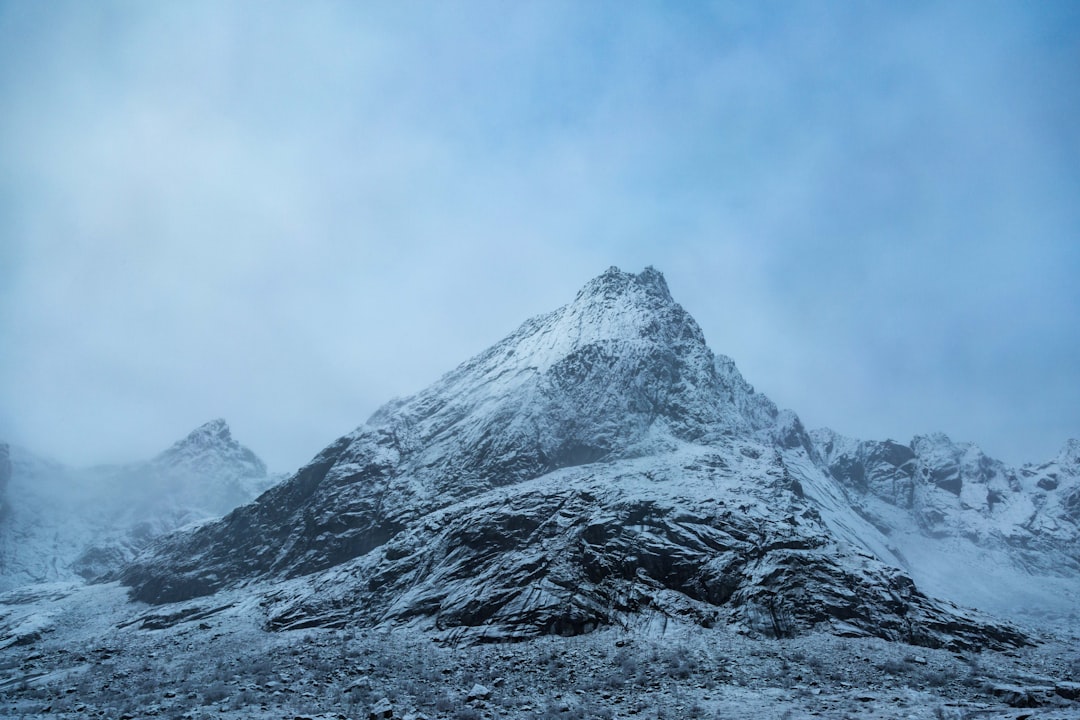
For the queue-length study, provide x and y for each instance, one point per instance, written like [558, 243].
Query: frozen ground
[77, 652]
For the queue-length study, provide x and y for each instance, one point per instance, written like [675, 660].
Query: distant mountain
[61, 523]
[994, 528]
[599, 466]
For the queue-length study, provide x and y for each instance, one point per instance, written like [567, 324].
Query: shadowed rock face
[626, 542]
[600, 465]
[886, 469]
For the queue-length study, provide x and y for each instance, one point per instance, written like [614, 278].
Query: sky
[286, 214]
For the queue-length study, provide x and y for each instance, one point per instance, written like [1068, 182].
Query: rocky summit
[599, 467]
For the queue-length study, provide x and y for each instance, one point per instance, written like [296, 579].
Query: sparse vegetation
[215, 693]
[894, 667]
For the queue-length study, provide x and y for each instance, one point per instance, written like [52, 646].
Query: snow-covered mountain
[966, 525]
[61, 523]
[599, 466]
[600, 474]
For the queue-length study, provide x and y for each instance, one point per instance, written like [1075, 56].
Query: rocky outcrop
[598, 466]
[885, 469]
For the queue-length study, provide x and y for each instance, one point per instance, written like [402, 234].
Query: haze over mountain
[300, 215]
[872, 208]
[601, 486]
[601, 463]
[62, 523]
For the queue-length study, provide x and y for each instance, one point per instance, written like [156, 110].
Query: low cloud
[286, 215]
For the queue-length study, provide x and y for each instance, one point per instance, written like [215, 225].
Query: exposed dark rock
[1071, 504]
[1047, 483]
[1022, 697]
[381, 710]
[571, 553]
[98, 561]
[886, 469]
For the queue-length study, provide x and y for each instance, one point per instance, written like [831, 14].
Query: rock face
[626, 543]
[953, 490]
[64, 523]
[598, 466]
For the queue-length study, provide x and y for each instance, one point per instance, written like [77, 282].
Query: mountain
[209, 469]
[965, 524]
[61, 523]
[953, 489]
[600, 486]
[600, 466]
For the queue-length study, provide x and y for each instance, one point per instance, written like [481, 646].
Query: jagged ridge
[950, 489]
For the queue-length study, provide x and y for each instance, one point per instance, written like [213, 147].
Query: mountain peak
[209, 435]
[615, 308]
[210, 446]
[587, 466]
[613, 282]
[215, 430]
[617, 372]
[1070, 453]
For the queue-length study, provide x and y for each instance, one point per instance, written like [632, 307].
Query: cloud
[287, 214]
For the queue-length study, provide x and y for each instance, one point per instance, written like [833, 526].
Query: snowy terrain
[60, 523]
[597, 517]
[88, 652]
[969, 527]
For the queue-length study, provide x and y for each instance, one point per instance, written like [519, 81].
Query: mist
[286, 215]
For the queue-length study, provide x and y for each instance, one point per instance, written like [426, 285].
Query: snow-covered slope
[619, 372]
[966, 525]
[61, 523]
[597, 466]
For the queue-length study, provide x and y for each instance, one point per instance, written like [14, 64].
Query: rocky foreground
[77, 652]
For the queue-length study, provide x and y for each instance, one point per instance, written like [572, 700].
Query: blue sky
[287, 213]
